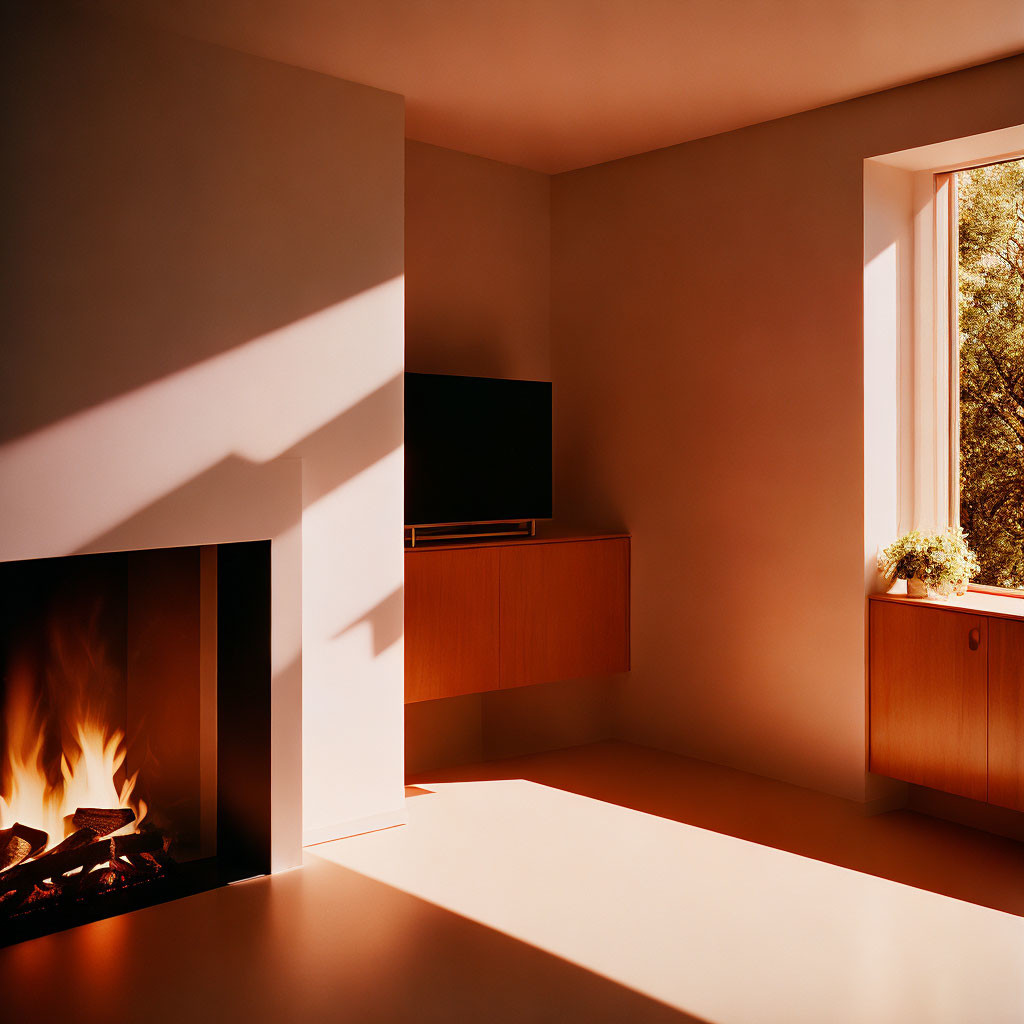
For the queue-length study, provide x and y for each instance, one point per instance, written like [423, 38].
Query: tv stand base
[470, 531]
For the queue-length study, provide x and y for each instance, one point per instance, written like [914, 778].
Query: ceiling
[559, 84]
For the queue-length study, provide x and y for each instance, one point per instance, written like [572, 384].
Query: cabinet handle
[974, 639]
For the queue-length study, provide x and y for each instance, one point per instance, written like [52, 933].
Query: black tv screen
[477, 449]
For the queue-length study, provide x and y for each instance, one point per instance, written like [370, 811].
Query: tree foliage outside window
[991, 315]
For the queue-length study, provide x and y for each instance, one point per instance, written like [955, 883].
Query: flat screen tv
[477, 449]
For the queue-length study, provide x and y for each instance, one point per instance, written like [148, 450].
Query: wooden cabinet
[1006, 713]
[946, 695]
[564, 611]
[929, 698]
[451, 623]
[513, 613]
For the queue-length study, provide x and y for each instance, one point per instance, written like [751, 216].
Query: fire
[92, 752]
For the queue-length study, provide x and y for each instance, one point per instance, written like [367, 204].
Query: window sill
[1005, 605]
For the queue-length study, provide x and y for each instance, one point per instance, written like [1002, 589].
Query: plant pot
[917, 587]
[942, 591]
[961, 588]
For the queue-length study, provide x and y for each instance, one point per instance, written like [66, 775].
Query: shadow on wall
[199, 280]
[229, 497]
[384, 620]
[191, 446]
[202, 273]
[226, 494]
[476, 354]
[478, 245]
[167, 201]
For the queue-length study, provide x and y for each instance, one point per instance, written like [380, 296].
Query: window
[944, 348]
[987, 402]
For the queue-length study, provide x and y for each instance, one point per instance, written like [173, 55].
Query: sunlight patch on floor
[726, 929]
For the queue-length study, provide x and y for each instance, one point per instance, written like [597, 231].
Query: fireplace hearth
[134, 730]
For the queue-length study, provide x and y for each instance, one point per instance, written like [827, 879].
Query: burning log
[83, 837]
[93, 823]
[14, 851]
[102, 821]
[18, 843]
[89, 861]
[59, 862]
[100, 865]
[55, 864]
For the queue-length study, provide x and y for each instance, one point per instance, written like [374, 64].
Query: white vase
[917, 587]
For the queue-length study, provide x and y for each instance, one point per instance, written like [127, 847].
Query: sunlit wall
[203, 309]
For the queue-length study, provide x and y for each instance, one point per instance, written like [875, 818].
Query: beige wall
[707, 348]
[477, 248]
[203, 316]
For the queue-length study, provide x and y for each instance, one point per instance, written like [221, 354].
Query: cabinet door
[1006, 713]
[929, 697]
[451, 623]
[564, 610]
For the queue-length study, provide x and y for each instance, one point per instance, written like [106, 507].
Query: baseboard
[353, 827]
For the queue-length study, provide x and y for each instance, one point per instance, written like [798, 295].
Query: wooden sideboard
[490, 615]
[946, 694]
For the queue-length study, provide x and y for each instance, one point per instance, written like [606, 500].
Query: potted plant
[933, 564]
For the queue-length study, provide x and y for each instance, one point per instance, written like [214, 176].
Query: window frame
[933, 503]
[946, 264]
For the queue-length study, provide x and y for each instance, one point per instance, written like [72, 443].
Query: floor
[607, 883]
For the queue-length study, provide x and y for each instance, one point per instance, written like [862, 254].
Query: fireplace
[134, 730]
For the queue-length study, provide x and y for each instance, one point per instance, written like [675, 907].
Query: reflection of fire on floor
[91, 861]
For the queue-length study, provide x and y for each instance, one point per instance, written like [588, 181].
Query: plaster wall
[202, 284]
[707, 335]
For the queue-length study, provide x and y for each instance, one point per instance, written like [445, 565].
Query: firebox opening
[134, 730]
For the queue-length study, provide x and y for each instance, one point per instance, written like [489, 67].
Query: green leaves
[991, 319]
[936, 558]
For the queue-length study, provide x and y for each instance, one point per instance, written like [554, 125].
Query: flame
[91, 750]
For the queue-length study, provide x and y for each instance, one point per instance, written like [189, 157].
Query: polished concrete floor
[605, 883]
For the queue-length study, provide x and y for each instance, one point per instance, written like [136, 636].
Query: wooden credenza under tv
[488, 615]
